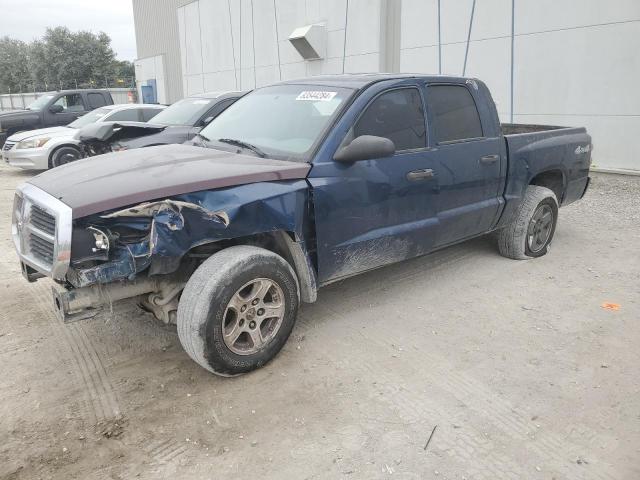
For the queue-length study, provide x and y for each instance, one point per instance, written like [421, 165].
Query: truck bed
[563, 152]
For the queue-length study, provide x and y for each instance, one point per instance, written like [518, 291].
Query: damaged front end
[149, 250]
[121, 244]
[98, 138]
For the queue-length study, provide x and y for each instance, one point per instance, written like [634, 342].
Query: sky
[28, 19]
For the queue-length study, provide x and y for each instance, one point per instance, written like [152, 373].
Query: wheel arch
[58, 147]
[284, 243]
[554, 179]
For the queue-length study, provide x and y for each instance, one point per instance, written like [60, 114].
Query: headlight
[101, 240]
[32, 143]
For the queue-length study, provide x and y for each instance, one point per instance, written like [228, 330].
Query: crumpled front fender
[183, 222]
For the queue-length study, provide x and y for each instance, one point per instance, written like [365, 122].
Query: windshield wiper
[241, 144]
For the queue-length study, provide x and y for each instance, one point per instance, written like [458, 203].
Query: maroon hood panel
[115, 180]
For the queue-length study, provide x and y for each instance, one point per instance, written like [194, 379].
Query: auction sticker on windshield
[316, 96]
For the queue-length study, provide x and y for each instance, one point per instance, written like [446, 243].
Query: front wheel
[64, 155]
[531, 229]
[238, 309]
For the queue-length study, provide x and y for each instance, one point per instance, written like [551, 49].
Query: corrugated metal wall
[243, 44]
[561, 62]
[156, 24]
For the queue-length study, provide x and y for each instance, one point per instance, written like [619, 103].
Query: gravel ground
[517, 364]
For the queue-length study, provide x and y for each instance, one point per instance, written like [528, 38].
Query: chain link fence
[108, 81]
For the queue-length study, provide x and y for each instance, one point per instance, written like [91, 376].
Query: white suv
[50, 147]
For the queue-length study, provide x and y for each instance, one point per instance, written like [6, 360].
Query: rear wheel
[238, 309]
[63, 155]
[531, 229]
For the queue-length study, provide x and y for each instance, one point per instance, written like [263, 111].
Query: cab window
[149, 113]
[453, 113]
[70, 103]
[397, 115]
[126, 115]
[96, 100]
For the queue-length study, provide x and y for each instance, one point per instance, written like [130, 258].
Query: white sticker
[316, 96]
[201, 102]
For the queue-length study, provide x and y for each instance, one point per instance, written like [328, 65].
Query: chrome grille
[8, 146]
[41, 229]
[42, 220]
[41, 248]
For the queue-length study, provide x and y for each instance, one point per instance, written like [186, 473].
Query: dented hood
[116, 180]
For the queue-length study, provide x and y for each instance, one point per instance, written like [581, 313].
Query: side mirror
[56, 108]
[365, 147]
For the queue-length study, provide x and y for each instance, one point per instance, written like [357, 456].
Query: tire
[211, 305]
[525, 237]
[64, 155]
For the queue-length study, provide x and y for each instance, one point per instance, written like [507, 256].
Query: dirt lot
[523, 372]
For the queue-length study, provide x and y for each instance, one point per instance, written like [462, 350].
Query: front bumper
[29, 159]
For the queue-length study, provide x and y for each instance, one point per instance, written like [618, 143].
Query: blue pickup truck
[295, 186]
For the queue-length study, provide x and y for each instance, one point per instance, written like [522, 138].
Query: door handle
[488, 159]
[421, 174]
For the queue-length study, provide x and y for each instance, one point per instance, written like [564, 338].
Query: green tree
[14, 70]
[124, 72]
[61, 59]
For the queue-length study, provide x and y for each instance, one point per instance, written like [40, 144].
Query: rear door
[375, 212]
[467, 156]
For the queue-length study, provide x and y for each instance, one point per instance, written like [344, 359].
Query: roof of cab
[361, 80]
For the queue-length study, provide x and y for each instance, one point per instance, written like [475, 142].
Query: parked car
[52, 109]
[178, 123]
[51, 147]
[297, 185]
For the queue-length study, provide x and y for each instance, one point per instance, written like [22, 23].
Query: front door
[72, 108]
[376, 212]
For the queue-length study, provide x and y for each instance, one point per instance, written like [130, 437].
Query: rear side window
[128, 115]
[149, 113]
[453, 113]
[397, 115]
[96, 100]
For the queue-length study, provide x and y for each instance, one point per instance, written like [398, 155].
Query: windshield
[184, 112]
[283, 121]
[90, 117]
[40, 102]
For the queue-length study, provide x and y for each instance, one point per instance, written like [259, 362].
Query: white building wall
[151, 68]
[156, 27]
[241, 44]
[574, 61]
